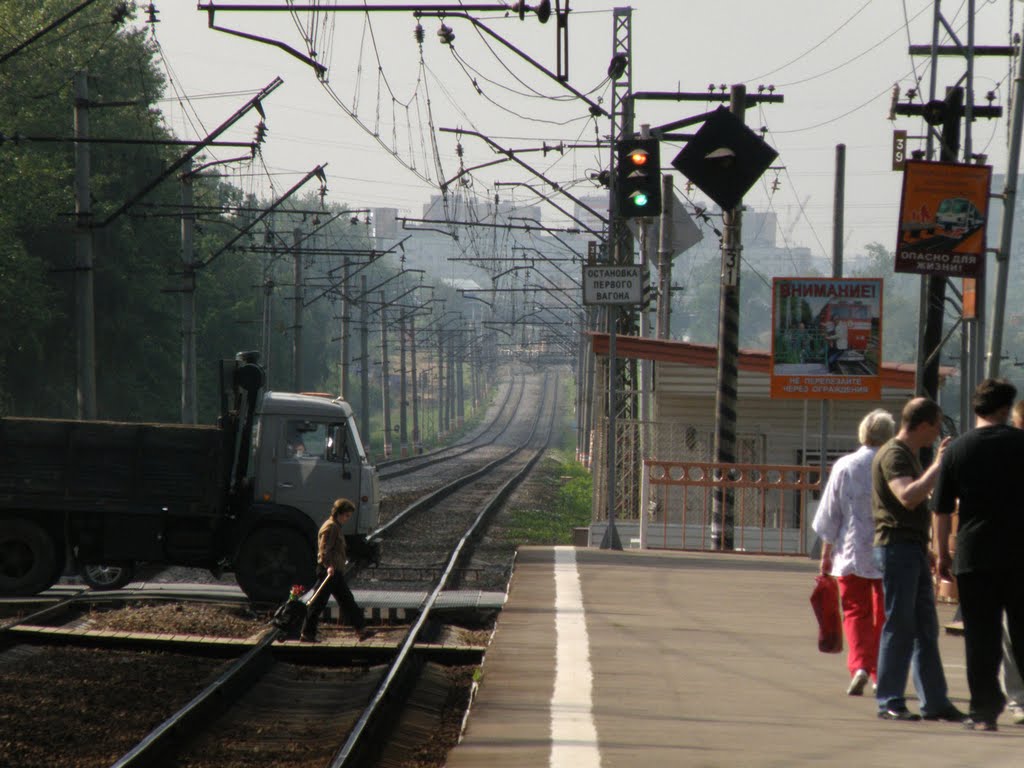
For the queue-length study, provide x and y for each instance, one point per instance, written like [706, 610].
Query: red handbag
[825, 602]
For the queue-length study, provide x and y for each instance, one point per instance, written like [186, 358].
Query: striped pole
[722, 508]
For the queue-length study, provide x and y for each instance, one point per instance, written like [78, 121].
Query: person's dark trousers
[984, 595]
[349, 608]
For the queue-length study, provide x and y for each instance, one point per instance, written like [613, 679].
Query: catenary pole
[403, 428]
[364, 368]
[385, 375]
[665, 235]
[189, 409]
[297, 297]
[723, 513]
[414, 372]
[995, 347]
[85, 321]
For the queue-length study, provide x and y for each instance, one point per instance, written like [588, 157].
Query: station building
[665, 463]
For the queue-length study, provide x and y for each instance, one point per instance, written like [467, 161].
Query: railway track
[493, 430]
[255, 700]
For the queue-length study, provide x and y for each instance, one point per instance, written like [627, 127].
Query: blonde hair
[876, 428]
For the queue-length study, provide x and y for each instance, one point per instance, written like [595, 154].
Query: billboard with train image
[826, 338]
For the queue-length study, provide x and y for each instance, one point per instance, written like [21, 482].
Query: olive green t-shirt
[893, 521]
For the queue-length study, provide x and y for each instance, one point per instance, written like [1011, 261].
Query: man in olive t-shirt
[899, 502]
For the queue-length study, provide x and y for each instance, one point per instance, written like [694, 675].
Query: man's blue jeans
[910, 636]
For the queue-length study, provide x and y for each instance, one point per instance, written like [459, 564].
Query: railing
[768, 504]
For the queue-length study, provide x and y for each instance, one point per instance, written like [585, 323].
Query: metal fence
[768, 502]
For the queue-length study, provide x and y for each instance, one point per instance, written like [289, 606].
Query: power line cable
[814, 47]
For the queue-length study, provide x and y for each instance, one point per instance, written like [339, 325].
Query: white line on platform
[573, 733]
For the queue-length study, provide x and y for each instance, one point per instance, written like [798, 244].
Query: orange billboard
[943, 213]
[826, 338]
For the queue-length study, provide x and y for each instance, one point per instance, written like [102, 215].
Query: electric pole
[189, 407]
[346, 342]
[416, 446]
[364, 370]
[297, 297]
[267, 326]
[385, 377]
[85, 326]
[723, 506]
[403, 434]
[946, 115]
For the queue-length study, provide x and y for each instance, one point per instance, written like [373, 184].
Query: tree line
[137, 256]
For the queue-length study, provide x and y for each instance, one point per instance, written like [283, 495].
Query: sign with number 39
[899, 150]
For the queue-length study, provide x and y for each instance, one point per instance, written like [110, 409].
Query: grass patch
[562, 490]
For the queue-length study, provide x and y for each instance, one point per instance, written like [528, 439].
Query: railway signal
[724, 158]
[638, 178]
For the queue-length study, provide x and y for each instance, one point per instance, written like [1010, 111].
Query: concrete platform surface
[648, 659]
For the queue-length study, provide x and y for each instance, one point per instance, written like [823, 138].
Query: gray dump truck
[246, 495]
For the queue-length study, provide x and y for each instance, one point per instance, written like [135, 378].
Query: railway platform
[647, 659]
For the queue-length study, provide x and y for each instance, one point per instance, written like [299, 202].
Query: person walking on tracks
[980, 471]
[330, 566]
[847, 529]
[910, 635]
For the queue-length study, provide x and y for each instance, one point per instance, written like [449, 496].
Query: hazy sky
[835, 64]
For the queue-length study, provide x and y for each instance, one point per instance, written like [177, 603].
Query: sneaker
[857, 683]
[308, 639]
[898, 714]
[1016, 713]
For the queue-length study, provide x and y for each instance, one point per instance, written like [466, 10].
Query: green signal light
[640, 199]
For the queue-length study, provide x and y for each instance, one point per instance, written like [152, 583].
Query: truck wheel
[271, 560]
[28, 558]
[107, 576]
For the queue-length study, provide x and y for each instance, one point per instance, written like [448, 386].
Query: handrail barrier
[769, 504]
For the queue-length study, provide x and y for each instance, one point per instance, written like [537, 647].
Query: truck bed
[118, 464]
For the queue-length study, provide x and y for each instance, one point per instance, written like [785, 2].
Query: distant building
[599, 203]
[385, 222]
[463, 208]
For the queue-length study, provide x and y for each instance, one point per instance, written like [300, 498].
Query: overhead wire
[852, 59]
[814, 47]
[464, 66]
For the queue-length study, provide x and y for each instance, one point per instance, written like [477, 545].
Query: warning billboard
[826, 338]
[943, 213]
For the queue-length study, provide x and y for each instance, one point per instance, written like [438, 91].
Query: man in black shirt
[981, 470]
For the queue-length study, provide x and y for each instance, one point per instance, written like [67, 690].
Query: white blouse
[844, 516]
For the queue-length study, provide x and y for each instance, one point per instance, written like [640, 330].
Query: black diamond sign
[724, 158]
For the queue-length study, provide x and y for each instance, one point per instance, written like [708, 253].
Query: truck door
[314, 467]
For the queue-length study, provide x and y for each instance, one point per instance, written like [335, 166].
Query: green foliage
[245, 297]
[137, 272]
[699, 304]
[568, 489]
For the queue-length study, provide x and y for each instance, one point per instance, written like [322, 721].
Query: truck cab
[307, 452]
